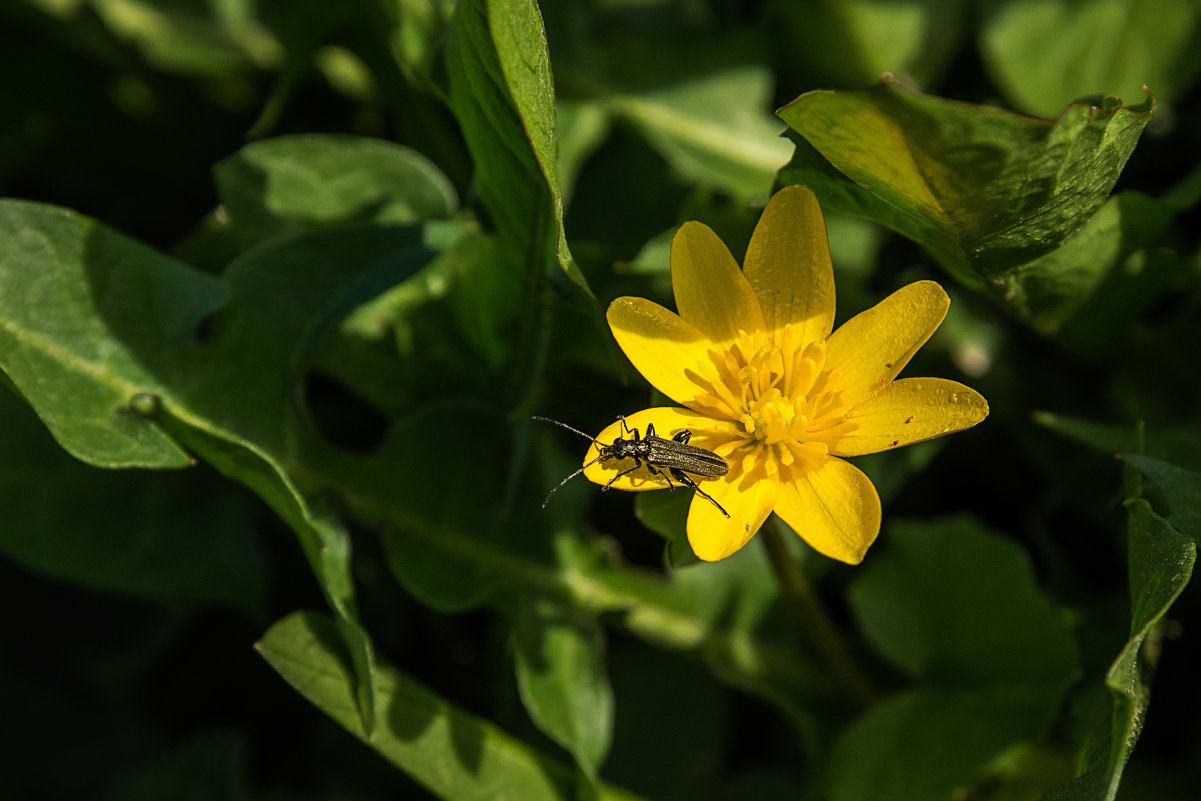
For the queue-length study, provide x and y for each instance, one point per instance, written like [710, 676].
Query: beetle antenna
[570, 477]
[569, 428]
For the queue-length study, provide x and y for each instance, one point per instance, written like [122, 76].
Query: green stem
[823, 634]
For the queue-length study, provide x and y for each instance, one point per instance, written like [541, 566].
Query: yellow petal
[868, 351]
[908, 411]
[711, 292]
[667, 422]
[834, 508]
[748, 499]
[669, 352]
[788, 266]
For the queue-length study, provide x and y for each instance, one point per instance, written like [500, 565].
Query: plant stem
[823, 634]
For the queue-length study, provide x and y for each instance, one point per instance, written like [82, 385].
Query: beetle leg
[637, 464]
[683, 436]
[688, 481]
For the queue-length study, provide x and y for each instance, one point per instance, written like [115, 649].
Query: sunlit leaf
[985, 191]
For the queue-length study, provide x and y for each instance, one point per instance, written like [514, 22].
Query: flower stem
[824, 636]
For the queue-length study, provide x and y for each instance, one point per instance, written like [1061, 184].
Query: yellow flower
[767, 386]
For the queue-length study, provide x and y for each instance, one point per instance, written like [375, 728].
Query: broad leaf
[1045, 54]
[502, 92]
[282, 185]
[956, 608]
[454, 754]
[562, 678]
[853, 43]
[101, 335]
[985, 191]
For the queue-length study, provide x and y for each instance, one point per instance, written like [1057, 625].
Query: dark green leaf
[926, 744]
[950, 601]
[1180, 445]
[1161, 564]
[1181, 488]
[456, 755]
[179, 536]
[853, 43]
[957, 608]
[562, 678]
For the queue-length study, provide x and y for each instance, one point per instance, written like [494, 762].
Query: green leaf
[454, 754]
[1180, 445]
[712, 128]
[1181, 488]
[1161, 564]
[955, 607]
[952, 602]
[985, 191]
[502, 92]
[665, 513]
[86, 316]
[283, 185]
[208, 766]
[852, 43]
[174, 536]
[95, 325]
[1048, 53]
[931, 743]
[561, 675]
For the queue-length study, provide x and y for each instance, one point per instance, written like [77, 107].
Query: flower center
[776, 394]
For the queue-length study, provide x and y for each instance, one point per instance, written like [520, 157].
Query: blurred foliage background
[328, 259]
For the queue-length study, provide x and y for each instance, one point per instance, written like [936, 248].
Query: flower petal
[666, 349]
[711, 292]
[867, 351]
[834, 508]
[788, 266]
[749, 500]
[908, 411]
[667, 421]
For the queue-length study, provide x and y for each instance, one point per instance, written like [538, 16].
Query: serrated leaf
[283, 185]
[985, 191]
[456, 755]
[561, 675]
